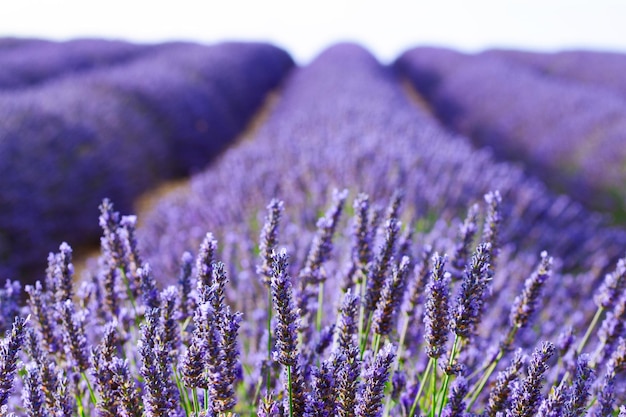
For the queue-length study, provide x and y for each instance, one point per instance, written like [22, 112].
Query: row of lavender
[571, 132]
[342, 122]
[116, 132]
[415, 332]
[29, 62]
[600, 69]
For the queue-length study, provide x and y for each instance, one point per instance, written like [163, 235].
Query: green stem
[376, 343]
[446, 378]
[433, 389]
[483, 380]
[92, 394]
[583, 342]
[365, 335]
[196, 402]
[268, 381]
[405, 328]
[590, 329]
[290, 391]
[422, 384]
[320, 303]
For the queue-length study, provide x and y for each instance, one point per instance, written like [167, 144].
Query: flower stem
[422, 384]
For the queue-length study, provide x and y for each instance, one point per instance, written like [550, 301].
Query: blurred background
[305, 28]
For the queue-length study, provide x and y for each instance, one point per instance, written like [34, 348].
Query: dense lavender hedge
[606, 70]
[572, 134]
[116, 133]
[342, 122]
[26, 63]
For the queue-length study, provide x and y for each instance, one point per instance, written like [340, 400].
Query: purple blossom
[437, 315]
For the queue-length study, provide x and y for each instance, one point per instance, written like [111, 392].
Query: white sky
[305, 28]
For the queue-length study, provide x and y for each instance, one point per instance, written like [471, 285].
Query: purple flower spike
[269, 239]
[437, 315]
[469, 303]
[375, 378]
[33, 396]
[8, 358]
[525, 305]
[386, 313]
[287, 325]
[74, 336]
[527, 395]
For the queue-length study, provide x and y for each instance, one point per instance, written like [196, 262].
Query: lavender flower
[74, 336]
[268, 407]
[386, 312]
[470, 301]
[322, 403]
[346, 364]
[129, 399]
[456, 405]
[554, 404]
[287, 325]
[8, 357]
[10, 297]
[45, 364]
[526, 398]
[38, 304]
[422, 276]
[347, 325]
[583, 378]
[524, 306]
[379, 267]
[64, 273]
[492, 226]
[204, 263]
[612, 287]
[269, 239]
[467, 231]
[33, 395]
[161, 399]
[375, 376]
[187, 303]
[499, 396]
[436, 315]
[321, 247]
[149, 290]
[362, 251]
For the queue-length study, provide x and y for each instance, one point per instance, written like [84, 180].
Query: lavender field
[414, 239]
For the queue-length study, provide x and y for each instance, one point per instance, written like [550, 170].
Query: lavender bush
[117, 132]
[345, 121]
[445, 352]
[569, 133]
[27, 63]
[604, 70]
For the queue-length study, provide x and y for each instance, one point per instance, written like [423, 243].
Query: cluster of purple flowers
[434, 341]
[344, 121]
[29, 62]
[570, 132]
[116, 132]
[604, 70]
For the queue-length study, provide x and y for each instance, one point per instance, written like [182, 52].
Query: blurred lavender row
[345, 122]
[572, 134]
[30, 62]
[115, 133]
[606, 70]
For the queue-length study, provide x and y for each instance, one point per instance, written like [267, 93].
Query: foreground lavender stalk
[8, 358]
[527, 396]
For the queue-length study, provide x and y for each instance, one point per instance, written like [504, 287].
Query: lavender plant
[151, 361]
[116, 132]
[567, 141]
